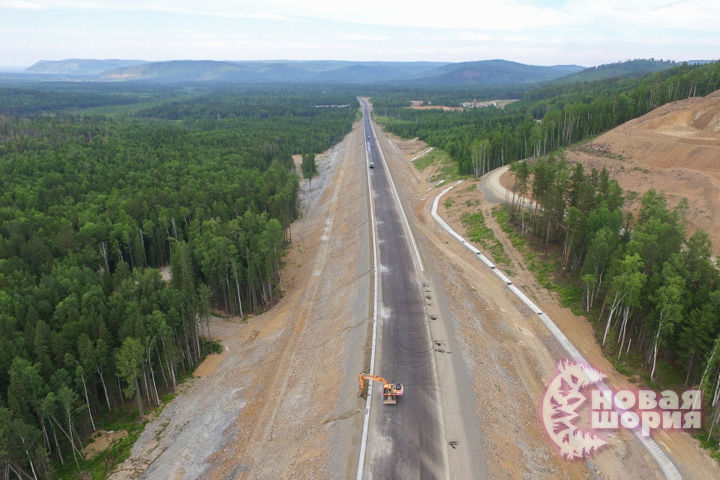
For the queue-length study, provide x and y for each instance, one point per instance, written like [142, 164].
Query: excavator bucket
[361, 390]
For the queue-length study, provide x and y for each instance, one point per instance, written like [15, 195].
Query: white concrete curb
[666, 465]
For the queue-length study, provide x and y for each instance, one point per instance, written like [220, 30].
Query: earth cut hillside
[674, 149]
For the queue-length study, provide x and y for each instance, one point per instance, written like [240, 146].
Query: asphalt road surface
[406, 440]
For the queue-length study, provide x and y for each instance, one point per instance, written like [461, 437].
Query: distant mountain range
[271, 71]
[486, 72]
[78, 66]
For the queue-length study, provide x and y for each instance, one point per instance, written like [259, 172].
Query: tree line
[547, 118]
[91, 207]
[656, 291]
[22, 98]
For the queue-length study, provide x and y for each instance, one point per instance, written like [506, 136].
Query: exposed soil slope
[674, 149]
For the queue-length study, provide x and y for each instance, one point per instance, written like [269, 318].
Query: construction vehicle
[390, 390]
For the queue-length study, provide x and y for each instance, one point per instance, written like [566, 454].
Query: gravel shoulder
[280, 401]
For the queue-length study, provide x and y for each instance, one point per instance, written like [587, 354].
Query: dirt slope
[674, 149]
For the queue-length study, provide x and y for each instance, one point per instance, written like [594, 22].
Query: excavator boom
[390, 390]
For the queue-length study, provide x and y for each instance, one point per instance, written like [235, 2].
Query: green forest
[106, 188]
[544, 119]
[654, 291]
[93, 202]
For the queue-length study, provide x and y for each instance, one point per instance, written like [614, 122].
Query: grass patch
[477, 231]
[543, 270]
[711, 445]
[105, 462]
[423, 162]
[211, 346]
[100, 466]
[542, 267]
[447, 169]
[571, 297]
[449, 202]
[516, 239]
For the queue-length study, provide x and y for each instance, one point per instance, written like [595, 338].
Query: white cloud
[664, 16]
[18, 5]
[365, 37]
[496, 15]
[572, 31]
[481, 16]
[451, 14]
[473, 36]
[217, 8]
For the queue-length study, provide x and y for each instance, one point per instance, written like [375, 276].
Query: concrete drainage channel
[666, 465]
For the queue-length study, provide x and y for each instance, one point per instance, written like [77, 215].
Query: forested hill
[546, 118]
[494, 72]
[91, 205]
[630, 68]
[654, 289]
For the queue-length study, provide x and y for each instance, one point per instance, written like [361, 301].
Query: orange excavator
[390, 390]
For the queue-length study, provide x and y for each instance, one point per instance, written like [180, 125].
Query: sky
[552, 32]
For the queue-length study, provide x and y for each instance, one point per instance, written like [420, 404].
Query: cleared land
[420, 105]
